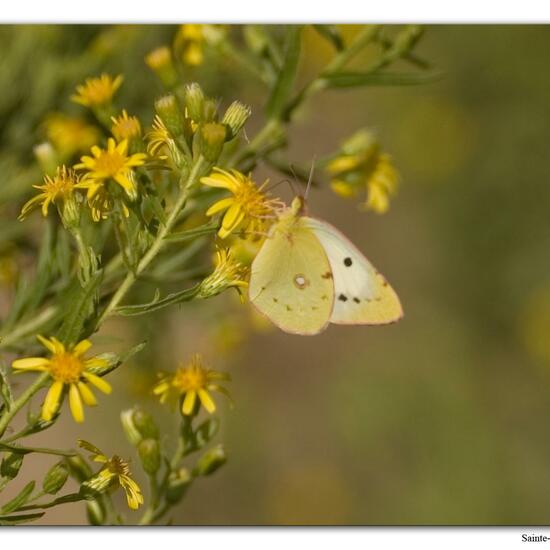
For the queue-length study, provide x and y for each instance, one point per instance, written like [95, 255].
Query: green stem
[42, 450]
[72, 497]
[39, 383]
[157, 244]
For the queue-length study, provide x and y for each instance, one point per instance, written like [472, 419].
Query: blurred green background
[439, 419]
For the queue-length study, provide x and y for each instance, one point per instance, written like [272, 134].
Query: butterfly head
[298, 206]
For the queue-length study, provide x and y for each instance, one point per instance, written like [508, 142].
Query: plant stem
[22, 400]
[157, 244]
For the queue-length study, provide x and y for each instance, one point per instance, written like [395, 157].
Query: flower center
[66, 367]
[118, 466]
[190, 379]
[110, 163]
[251, 200]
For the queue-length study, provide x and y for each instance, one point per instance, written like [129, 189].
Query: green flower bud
[178, 483]
[69, 211]
[194, 102]
[235, 118]
[11, 464]
[129, 427]
[145, 424]
[79, 467]
[210, 461]
[149, 454]
[169, 112]
[98, 484]
[55, 478]
[212, 138]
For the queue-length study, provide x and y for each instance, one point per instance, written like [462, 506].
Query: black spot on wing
[343, 298]
[356, 300]
[348, 262]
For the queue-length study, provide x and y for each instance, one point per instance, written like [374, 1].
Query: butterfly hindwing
[291, 279]
[362, 294]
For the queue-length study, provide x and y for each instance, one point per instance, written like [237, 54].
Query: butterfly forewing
[362, 294]
[291, 279]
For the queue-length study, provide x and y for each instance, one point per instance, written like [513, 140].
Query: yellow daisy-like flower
[248, 208]
[59, 188]
[228, 273]
[191, 382]
[97, 92]
[189, 42]
[67, 367]
[111, 163]
[116, 473]
[361, 165]
[159, 138]
[70, 135]
[125, 127]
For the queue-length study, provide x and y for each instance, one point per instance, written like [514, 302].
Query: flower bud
[129, 427]
[145, 424]
[149, 454]
[235, 118]
[97, 485]
[212, 139]
[194, 102]
[168, 110]
[178, 483]
[11, 464]
[47, 157]
[79, 468]
[70, 212]
[160, 61]
[210, 461]
[55, 478]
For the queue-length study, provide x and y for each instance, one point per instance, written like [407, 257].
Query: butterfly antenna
[310, 178]
[295, 180]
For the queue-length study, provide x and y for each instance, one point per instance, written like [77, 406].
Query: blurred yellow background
[439, 419]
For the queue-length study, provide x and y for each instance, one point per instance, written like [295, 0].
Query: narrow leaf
[19, 500]
[21, 518]
[180, 236]
[287, 75]
[350, 80]
[175, 298]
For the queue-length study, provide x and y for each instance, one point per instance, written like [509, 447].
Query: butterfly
[307, 274]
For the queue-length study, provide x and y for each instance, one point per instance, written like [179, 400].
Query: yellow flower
[111, 163]
[59, 188]
[97, 92]
[125, 127]
[228, 273]
[70, 135]
[189, 42]
[190, 382]
[248, 208]
[159, 139]
[67, 367]
[359, 165]
[115, 473]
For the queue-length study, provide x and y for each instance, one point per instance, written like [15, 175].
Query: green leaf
[156, 304]
[21, 518]
[115, 360]
[20, 500]
[332, 34]
[351, 80]
[287, 75]
[81, 302]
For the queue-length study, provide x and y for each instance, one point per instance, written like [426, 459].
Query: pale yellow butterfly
[307, 274]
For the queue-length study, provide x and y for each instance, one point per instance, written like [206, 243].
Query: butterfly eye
[301, 281]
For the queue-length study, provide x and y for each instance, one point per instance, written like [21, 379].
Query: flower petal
[31, 363]
[75, 403]
[98, 382]
[82, 347]
[51, 403]
[220, 205]
[87, 396]
[206, 400]
[189, 402]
